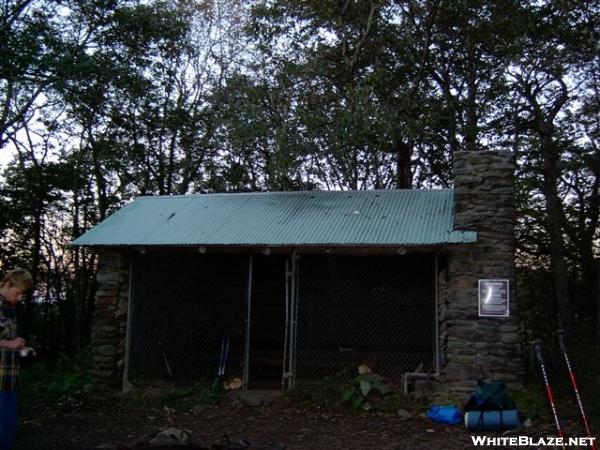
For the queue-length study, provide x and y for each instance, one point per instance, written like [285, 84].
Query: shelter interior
[277, 317]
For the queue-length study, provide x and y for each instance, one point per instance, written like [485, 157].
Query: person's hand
[15, 343]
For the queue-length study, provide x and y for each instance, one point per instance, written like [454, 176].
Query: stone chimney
[478, 347]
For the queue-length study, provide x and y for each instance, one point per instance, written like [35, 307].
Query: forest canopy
[105, 100]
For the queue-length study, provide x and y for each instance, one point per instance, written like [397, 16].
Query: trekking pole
[560, 336]
[161, 348]
[537, 348]
[223, 356]
[226, 355]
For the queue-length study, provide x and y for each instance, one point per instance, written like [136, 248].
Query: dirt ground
[115, 423]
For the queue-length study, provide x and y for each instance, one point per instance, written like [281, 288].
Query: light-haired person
[13, 287]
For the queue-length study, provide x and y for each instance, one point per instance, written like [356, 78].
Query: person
[13, 287]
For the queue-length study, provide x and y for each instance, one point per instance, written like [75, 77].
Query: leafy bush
[397, 400]
[585, 359]
[532, 402]
[323, 393]
[185, 398]
[362, 393]
[68, 381]
[360, 390]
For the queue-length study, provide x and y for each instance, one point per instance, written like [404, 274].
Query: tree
[550, 56]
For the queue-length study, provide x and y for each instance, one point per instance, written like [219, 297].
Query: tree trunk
[99, 179]
[471, 128]
[557, 251]
[403, 166]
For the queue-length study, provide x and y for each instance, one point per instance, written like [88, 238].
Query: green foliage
[362, 393]
[396, 400]
[185, 398]
[364, 387]
[67, 383]
[323, 393]
[532, 402]
[585, 359]
[535, 288]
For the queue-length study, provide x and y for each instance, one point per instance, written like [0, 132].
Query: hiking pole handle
[560, 337]
[537, 350]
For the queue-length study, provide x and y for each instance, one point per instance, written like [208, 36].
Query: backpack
[490, 397]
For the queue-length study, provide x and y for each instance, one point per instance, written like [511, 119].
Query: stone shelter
[277, 286]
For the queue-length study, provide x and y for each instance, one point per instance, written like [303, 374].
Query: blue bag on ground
[445, 414]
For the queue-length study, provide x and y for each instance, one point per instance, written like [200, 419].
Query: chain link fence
[373, 310]
[184, 306]
[376, 310]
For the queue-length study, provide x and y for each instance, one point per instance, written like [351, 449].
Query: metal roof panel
[380, 217]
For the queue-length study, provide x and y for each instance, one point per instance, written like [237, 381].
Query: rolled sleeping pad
[492, 420]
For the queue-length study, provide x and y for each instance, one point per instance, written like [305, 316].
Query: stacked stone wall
[478, 347]
[110, 318]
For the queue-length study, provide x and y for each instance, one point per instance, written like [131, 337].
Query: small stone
[171, 436]
[105, 350]
[404, 414]
[511, 338]
[255, 398]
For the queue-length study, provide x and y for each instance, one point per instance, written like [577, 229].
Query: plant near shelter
[362, 389]
[66, 383]
[184, 398]
[321, 393]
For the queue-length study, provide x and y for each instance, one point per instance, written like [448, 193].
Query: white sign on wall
[494, 298]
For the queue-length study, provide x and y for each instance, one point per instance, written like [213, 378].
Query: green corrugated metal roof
[378, 218]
